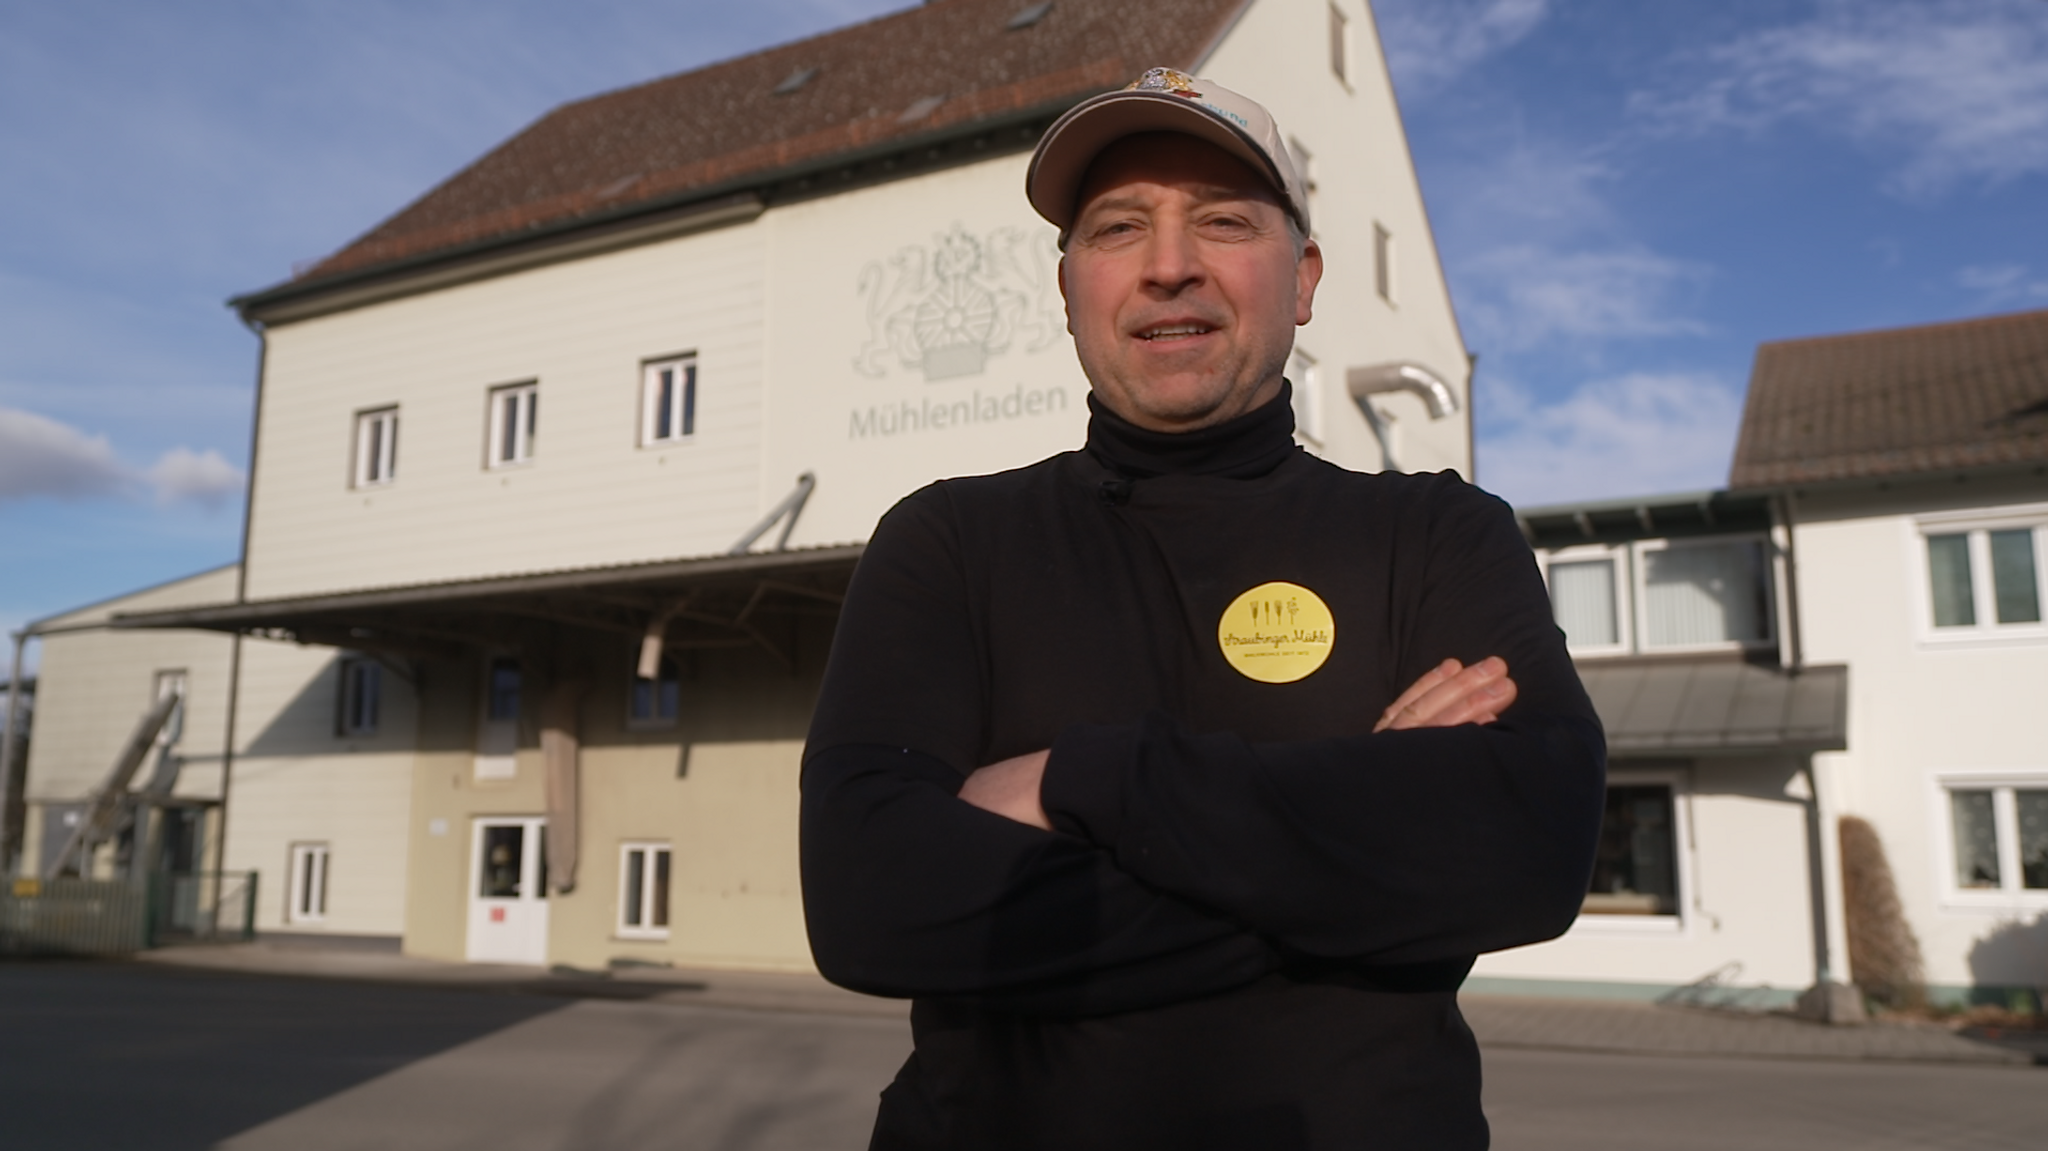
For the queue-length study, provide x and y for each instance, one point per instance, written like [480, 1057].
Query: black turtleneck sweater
[1250, 923]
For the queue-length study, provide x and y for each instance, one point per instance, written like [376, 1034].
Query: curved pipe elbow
[1380, 379]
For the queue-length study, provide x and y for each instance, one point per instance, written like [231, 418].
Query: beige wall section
[297, 781]
[1279, 54]
[590, 496]
[96, 684]
[730, 821]
[1921, 707]
[719, 787]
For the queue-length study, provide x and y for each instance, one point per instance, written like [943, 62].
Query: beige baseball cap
[1162, 100]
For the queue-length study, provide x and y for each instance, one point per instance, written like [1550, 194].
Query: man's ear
[1066, 305]
[1308, 272]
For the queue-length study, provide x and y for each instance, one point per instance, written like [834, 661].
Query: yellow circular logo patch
[1277, 632]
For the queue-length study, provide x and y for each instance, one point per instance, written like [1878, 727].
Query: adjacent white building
[1855, 629]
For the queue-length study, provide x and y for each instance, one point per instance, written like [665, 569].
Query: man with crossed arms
[1179, 779]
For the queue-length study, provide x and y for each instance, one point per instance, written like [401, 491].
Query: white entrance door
[508, 908]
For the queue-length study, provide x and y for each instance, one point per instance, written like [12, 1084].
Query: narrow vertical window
[1383, 261]
[643, 890]
[668, 400]
[1974, 825]
[361, 697]
[514, 416]
[2015, 587]
[1308, 396]
[376, 458]
[1948, 573]
[1582, 596]
[2031, 811]
[307, 890]
[1340, 45]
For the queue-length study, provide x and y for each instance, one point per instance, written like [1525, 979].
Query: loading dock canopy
[746, 600]
[1711, 706]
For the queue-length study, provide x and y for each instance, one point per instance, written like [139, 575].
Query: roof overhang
[1717, 706]
[1645, 517]
[733, 201]
[708, 601]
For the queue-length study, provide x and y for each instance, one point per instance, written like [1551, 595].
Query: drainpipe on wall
[11, 787]
[1382, 379]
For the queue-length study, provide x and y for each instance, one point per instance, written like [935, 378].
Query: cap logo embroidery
[1165, 80]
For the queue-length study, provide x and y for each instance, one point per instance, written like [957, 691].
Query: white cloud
[2003, 284]
[1637, 434]
[1523, 295]
[1956, 90]
[1429, 43]
[43, 457]
[202, 477]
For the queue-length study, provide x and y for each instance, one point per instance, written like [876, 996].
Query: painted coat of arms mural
[943, 310]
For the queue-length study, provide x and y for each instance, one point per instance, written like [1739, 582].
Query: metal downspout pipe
[9, 848]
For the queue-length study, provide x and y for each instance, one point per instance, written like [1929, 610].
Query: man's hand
[1010, 789]
[1450, 694]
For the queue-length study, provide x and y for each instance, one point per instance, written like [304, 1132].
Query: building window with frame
[656, 702]
[1704, 594]
[1585, 598]
[307, 891]
[643, 890]
[1308, 396]
[359, 697]
[1986, 580]
[497, 746]
[1340, 45]
[514, 417]
[668, 400]
[1635, 872]
[1998, 837]
[376, 454]
[1383, 261]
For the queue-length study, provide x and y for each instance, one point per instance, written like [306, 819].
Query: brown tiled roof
[947, 64]
[1963, 395]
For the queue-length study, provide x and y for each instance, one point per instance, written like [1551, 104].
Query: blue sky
[1628, 197]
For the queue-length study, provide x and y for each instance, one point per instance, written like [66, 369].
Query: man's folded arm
[910, 892]
[1395, 847]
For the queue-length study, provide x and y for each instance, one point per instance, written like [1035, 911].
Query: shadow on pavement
[112, 1055]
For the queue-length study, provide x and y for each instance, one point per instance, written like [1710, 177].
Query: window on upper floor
[655, 702]
[1307, 379]
[1662, 595]
[1383, 261]
[514, 415]
[376, 448]
[668, 400]
[1340, 44]
[1304, 166]
[1998, 837]
[359, 697]
[643, 890]
[1985, 578]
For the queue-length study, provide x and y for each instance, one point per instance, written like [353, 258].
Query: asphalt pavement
[155, 1056]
